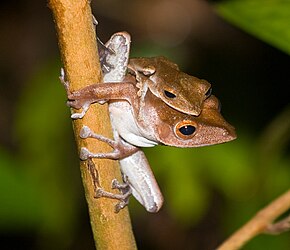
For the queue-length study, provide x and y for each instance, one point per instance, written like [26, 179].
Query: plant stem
[262, 222]
[77, 43]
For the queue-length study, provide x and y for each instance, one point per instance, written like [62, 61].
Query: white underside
[123, 121]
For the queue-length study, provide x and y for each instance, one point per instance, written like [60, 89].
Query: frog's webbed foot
[124, 188]
[120, 148]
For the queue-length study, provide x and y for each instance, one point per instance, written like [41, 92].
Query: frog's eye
[185, 129]
[208, 92]
[169, 94]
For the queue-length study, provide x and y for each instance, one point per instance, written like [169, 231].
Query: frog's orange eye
[169, 94]
[185, 129]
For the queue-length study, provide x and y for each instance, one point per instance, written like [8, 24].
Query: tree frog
[144, 123]
[164, 79]
[168, 127]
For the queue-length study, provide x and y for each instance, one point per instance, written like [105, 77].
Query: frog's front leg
[101, 92]
[141, 70]
[124, 188]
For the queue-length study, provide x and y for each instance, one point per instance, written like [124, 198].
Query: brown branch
[262, 222]
[77, 42]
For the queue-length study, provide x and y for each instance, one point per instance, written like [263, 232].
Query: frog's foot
[124, 188]
[80, 115]
[120, 149]
[116, 57]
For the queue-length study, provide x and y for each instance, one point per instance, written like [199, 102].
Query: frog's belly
[123, 121]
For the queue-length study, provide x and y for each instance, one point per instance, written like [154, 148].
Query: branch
[77, 42]
[262, 222]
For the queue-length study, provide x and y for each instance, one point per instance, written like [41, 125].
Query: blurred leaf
[280, 242]
[268, 20]
[231, 167]
[185, 196]
[42, 128]
[19, 197]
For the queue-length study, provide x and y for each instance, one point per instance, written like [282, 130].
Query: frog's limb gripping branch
[100, 93]
[120, 150]
[100, 192]
[262, 222]
[85, 105]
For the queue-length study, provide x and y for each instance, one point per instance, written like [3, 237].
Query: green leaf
[267, 20]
